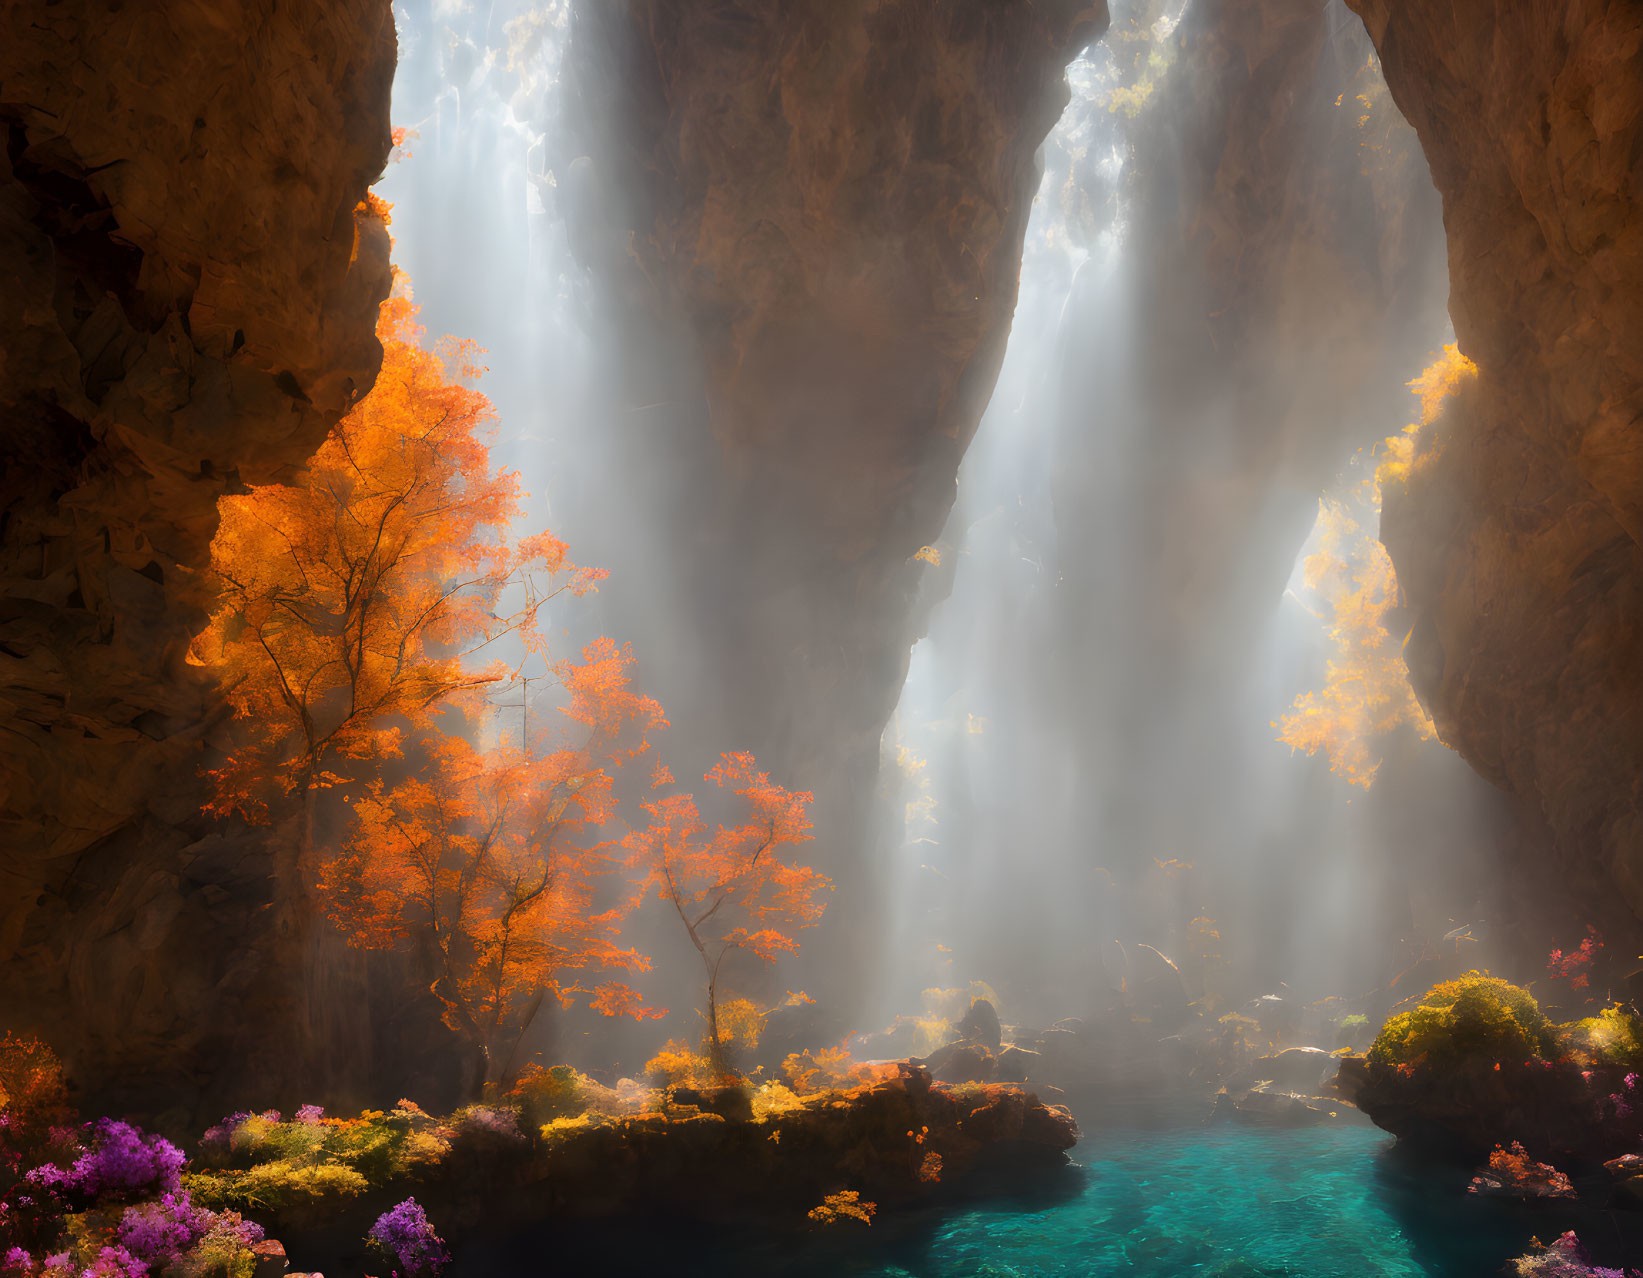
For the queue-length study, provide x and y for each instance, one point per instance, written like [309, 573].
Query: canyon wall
[1516, 537]
[188, 294]
[809, 219]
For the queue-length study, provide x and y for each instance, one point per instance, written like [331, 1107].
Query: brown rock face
[1517, 540]
[187, 302]
[821, 207]
[1278, 287]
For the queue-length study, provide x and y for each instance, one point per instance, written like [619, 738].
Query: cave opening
[877, 638]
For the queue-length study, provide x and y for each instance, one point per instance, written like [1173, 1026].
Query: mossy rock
[1613, 1037]
[1474, 1017]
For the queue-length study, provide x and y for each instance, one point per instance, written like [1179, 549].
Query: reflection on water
[1218, 1200]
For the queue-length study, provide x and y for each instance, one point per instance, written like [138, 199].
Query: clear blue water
[1218, 1202]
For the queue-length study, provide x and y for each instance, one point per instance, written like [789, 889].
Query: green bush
[1476, 1017]
[303, 1162]
[1613, 1037]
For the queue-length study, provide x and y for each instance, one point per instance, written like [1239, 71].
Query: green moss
[1613, 1037]
[296, 1163]
[1474, 1018]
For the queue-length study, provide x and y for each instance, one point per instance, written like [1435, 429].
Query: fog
[1083, 757]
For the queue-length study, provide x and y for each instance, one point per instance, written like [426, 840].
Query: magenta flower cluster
[409, 1240]
[1566, 1258]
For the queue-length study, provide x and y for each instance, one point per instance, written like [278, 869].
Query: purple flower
[115, 1262]
[17, 1258]
[122, 1160]
[405, 1235]
[310, 1113]
[1631, 1081]
[223, 1133]
[161, 1229]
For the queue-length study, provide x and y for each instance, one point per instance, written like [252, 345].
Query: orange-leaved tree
[354, 599]
[487, 865]
[729, 886]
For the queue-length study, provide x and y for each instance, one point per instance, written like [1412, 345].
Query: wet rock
[1627, 1180]
[980, 1025]
[270, 1259]
[1272, 1106]
[1511, 1173]
[1470, 1106]
[963, 1062]
[1303, 1068]
[1016, 1064]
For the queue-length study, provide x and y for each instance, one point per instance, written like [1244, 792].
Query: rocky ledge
[719, 1154]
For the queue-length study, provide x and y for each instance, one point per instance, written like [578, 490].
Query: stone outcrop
[1463, 1110]
[1517, 538]
[904, 1140]
[188, 293]
[809, 217]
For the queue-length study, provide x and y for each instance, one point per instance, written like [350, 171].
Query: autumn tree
[354, 600]
[360, 605]
[487, 865]
[729, 886]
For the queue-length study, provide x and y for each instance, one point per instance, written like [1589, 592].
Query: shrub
[34, 1108]
[1613, 1037]
[676, 1064]
[406, 1240]
[847, 1204]
[1475, 1017]
[315, 1158]
[547, 1094]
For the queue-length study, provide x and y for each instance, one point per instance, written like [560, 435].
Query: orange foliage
[1366, 694]
[354, 602]
[815, 1068]
[831, 1068]
[488, 863]
[729, 886]
[351, 599]
[847, 1204]
[484, 864]
[34, 1106]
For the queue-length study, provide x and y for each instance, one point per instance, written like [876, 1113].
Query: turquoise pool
[1223, 1201]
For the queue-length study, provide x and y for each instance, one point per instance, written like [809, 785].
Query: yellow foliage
[814, 1069]
[1366, 693]
[741, 1021]
[930, 555]
[560, 1128]
[772, 1099]
[847, 1204]
[677, 1064]
[1127, 100]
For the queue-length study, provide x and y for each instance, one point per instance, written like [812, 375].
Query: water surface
[1223, 1201]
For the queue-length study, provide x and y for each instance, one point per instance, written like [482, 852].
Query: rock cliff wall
[188, 295]
[1517, 537]
[810, 219]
